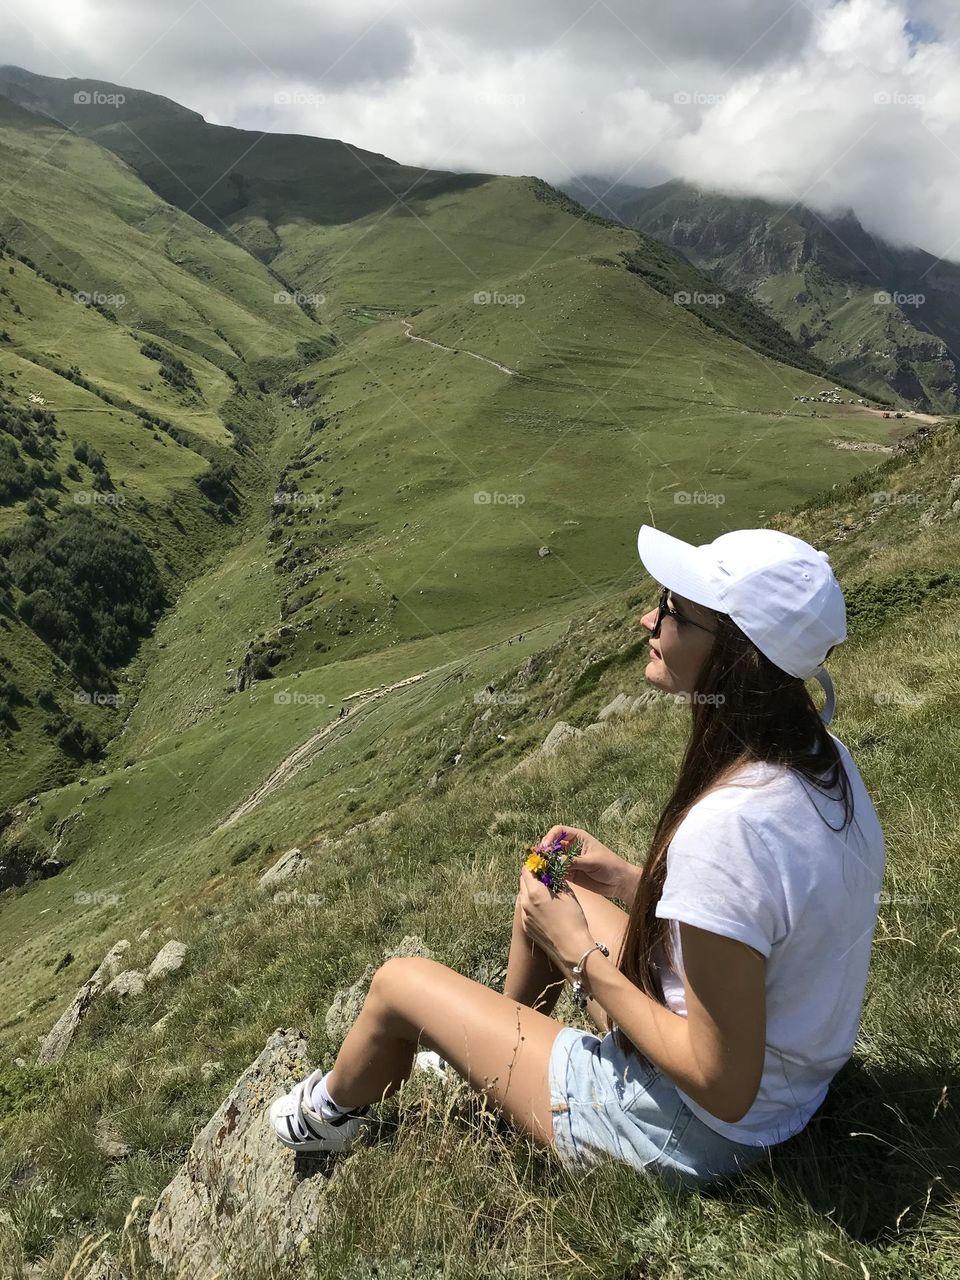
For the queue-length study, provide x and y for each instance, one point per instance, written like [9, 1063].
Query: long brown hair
[744, 709]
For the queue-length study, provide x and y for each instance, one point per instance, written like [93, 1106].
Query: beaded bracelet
[577, 992]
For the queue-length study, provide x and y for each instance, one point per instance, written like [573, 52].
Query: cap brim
[677, 565]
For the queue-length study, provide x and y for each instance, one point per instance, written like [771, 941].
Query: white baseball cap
[779, 590]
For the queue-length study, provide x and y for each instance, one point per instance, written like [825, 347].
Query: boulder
[108, 1142]
[559, 736]
[620, 706]
[128, 983]
[59, 1038]
[167, 960]
[291, 864]
[615, 812]
[346, 1005]
[241, 1199]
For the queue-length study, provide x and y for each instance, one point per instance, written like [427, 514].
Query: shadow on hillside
[883, 1148]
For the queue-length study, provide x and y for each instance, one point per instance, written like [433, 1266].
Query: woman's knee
[399, 972]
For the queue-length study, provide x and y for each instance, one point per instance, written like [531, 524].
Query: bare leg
[501, 1047]
[532, 977]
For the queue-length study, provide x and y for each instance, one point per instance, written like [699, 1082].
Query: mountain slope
[883, 317]
[132, 347]
[869, 1181]
[403, 438]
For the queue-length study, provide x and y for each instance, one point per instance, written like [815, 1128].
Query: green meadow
[350, 505]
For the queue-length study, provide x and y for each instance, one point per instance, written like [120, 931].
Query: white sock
[322, 1102]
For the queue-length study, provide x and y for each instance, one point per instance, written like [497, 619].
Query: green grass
[387, 567]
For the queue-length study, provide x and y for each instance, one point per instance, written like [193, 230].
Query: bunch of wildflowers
[550, 862]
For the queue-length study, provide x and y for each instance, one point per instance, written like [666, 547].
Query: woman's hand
[596, 867]
[554, 921]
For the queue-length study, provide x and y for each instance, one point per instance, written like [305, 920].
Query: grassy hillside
[330, 451]
[870, 1186]
[883, 318]
[130, 333]
[376, 457]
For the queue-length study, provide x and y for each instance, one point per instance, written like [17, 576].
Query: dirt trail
[514, 373]
[912, 414]
[301, 756]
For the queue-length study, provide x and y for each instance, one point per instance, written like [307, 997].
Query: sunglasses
[663, 611]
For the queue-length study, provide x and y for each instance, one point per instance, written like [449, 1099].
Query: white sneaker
[430, 1061]
[301, 1128]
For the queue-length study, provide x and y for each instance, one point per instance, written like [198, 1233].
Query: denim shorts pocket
[635, 1077]
[682, 1123]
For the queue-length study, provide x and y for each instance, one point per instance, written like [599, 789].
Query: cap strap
[823, 678]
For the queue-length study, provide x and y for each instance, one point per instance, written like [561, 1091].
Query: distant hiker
[728, 994]
[343, 712]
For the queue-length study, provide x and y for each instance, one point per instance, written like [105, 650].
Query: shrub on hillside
[216, 483]
[90, 588]
[15, 482]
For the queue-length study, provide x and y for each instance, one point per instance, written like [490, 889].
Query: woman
[732, 990]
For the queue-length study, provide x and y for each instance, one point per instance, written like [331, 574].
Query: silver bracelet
[578, 992]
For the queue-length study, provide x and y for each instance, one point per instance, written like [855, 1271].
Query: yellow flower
[536, 863]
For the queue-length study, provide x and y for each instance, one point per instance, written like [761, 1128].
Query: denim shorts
[607, 1103]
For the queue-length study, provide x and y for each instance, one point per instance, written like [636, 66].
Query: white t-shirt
[756, 863]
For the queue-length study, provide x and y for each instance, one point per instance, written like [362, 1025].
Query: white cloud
[836, 102]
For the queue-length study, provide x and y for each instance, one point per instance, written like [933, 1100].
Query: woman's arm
[715, 1054]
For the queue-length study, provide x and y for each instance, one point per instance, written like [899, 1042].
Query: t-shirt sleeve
[722, 877]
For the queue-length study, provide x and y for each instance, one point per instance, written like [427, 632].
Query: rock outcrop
[128, 983]
[241, 1197]
[289, 866]
[110, 976]
[167, 960]
[58, 1041]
